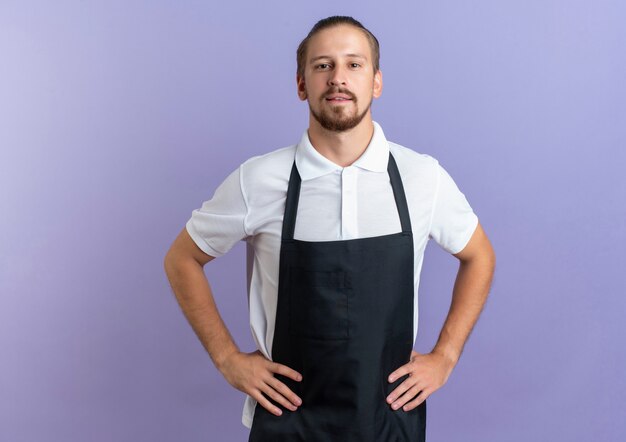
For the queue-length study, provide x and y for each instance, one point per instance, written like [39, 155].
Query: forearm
[469, 295]
[194, 295]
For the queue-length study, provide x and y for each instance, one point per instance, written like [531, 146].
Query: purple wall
[117, 119]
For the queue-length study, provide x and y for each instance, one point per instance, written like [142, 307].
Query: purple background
[117, 119]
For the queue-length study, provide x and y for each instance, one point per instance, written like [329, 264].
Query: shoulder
[413, 164]
[267, 176]
[278, 161]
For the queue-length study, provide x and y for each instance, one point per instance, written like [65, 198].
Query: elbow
[487, 261]
[169, 263]
[487, 257]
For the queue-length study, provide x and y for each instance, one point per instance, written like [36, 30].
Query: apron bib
[344, 320]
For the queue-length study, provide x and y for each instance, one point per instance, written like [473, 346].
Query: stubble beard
[334, 119]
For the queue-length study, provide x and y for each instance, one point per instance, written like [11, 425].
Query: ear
[378, 84]
[301, 87]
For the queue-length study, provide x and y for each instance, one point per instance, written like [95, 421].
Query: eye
[355, 64]
[322, 64]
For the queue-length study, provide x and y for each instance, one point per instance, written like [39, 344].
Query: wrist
[221, 362]
[450, 355]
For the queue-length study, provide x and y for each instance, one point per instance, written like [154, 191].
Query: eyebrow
[328, 56]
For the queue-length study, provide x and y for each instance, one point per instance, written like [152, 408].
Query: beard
[337, 118]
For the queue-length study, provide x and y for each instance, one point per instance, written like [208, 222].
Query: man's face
[339, 82]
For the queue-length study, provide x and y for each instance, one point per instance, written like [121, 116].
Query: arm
[184, 264]
[476, 267]
[429, 372]
[251, 373]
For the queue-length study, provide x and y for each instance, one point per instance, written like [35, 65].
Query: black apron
[344, 320]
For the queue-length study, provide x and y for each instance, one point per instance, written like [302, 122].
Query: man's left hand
[427, 373]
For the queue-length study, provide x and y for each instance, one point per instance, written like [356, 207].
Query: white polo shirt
[335, 203]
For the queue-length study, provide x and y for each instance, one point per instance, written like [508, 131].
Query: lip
[339, 102]
[346, 99]
[344, 96]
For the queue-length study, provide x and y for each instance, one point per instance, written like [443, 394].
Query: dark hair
[329, 22]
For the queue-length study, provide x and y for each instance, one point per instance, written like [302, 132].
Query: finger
[417, 401]
[285, 391]
[262, 400]
[407, 396]
[397, 374]
[277, 397]
[285, 371]
[400, 389]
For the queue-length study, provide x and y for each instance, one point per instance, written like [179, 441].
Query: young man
[337, 224]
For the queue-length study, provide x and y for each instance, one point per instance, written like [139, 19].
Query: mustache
[340, 91]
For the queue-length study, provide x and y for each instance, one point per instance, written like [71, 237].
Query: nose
[337, 77]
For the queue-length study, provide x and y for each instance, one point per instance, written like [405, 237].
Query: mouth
[338, 99]
[338, 95]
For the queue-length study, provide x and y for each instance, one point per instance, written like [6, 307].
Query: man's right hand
[253, 374]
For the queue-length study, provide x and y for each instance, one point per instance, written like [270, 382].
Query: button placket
[349, 228]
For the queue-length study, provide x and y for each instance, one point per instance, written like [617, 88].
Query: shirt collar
[312, 164]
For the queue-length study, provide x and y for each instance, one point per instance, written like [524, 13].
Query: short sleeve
[219, 223]
[453, 221]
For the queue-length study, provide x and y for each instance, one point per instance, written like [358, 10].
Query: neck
[342, 148]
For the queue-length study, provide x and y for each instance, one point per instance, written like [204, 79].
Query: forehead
[338, 41]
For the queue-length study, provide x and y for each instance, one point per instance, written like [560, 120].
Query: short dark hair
[329, 22]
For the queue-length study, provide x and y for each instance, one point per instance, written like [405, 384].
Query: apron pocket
[318, 304]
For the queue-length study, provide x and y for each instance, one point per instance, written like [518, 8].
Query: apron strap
[291, 204]
[293, 196]
[398, 194]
